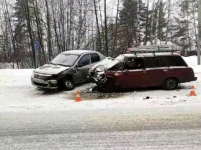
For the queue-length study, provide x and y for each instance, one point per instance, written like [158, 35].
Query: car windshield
[120, 58]
[65, 59]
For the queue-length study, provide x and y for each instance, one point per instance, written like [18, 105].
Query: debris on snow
[147, 98]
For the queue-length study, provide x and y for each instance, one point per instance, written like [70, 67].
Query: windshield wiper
[62, 65]
[52, 63]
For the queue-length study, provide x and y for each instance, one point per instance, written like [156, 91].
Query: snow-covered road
[17, 93]
[31, 119]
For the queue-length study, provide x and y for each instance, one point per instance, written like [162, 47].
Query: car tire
[68, 84]
[109, 85]
[171, 84]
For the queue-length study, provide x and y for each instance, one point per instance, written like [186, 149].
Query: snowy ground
[17, 94]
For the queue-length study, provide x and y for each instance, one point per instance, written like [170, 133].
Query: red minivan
[129, 71]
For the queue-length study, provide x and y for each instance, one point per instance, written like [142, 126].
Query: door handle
[165, 70]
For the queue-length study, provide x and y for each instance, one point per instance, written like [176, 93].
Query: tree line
[33, 32]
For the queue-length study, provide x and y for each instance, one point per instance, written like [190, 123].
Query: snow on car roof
[78, 52]
[150, 54]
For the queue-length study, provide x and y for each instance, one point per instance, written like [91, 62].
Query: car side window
[163, 62]
[84, 61]
[134, 63]
[95, 58]
[152, 62]
[176, 61]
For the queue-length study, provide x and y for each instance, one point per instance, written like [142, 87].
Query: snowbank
[8, 65]
[191, 60]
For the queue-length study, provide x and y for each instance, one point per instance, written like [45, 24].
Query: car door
[83, 68]
[156, 70]
[133, 75]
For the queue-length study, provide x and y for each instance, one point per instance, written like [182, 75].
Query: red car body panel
[150, 77]
[131, 80]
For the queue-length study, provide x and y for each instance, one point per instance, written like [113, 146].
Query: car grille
[40, 84]
[41, 77]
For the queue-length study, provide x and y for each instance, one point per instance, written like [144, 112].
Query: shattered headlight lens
[101, 75]
[100, 68]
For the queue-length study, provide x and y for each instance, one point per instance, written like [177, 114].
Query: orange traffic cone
[193, 91]
[78, 98]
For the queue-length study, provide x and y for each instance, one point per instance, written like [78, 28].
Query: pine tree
[180, 36]
[193, 12]
[185, 14]
[160, 23]
[181, 32]
[23, 32]
[133, 18]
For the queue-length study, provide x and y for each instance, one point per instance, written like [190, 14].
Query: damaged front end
[99, 73]
[98, 76]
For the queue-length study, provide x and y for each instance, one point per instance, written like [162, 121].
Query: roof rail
[153, 49]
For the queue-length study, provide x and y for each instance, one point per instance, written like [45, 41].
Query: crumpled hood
[108, 62]
[51, 69]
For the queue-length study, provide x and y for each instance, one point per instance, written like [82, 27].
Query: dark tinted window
[176, 61]
[163, 61]
[154, 62]
[95, 58]
[134, 63]
[85, 60]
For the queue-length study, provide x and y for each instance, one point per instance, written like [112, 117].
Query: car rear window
[176, 61]
[95, 58]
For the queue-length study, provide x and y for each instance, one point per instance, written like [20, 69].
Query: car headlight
[54, 77]
[63, 73]
[100, 68]
[32, 75]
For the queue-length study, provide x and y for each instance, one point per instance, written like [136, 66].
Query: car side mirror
[126, 71]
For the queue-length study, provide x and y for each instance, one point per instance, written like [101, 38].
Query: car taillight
[178, 52]
[129, 50]
[191, 71]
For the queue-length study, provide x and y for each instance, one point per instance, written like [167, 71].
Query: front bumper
[49, 84]
[99, 82]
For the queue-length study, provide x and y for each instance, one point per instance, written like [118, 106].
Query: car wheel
[170, 84]
[109, 85]
[68, 84]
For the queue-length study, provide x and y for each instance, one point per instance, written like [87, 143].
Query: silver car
[66, 70]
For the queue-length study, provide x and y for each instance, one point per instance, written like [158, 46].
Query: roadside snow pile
[8, 65]
[197, 69]
[191, 60]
